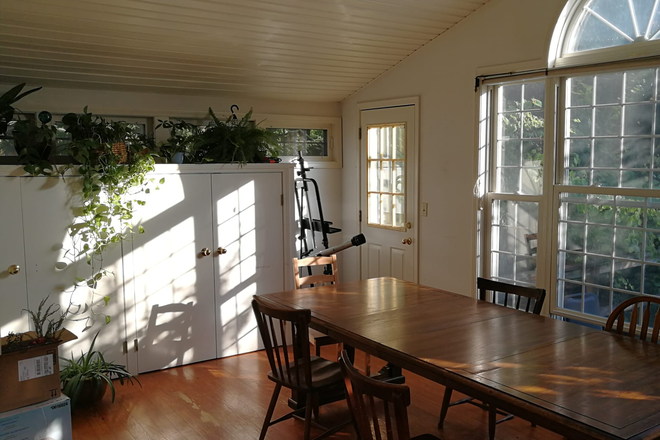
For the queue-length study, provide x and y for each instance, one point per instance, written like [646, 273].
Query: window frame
[331, 124]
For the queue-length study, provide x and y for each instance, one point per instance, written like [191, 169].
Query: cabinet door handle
[14, 269]
[205, 252]
[222, 251]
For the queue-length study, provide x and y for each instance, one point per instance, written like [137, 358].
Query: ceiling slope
[304, 50]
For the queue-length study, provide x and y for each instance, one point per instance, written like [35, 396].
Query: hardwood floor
[227, 399]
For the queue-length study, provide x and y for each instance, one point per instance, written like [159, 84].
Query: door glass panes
[514, 241]
[609, 250]
[520, 125]
[386, 154]
[608, 23]
[612, 130]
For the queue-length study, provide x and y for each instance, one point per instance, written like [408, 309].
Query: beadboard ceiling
[309, 50]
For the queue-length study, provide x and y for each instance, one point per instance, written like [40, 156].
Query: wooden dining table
[580, 382]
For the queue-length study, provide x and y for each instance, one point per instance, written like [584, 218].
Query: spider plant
[90, 374]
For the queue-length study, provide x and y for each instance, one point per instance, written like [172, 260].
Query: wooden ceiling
[313, 50]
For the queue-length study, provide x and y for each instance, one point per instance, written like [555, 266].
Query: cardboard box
[49, 420]
[30, 375]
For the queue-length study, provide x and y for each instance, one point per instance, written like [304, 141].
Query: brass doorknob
[408, 225]
[222, 250]
[14, 269]
[205, 252]
[407, 241]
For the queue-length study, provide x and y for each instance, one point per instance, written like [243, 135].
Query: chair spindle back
[318, 279]
[290, 364]
[369, 398]
[618, 316]
[535, 297]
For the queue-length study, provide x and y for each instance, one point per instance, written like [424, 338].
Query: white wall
[108, 102]
[497, 37]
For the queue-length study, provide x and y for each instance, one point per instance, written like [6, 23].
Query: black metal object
[306, 220]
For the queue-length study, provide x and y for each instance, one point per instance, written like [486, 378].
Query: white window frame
[332, 125]
[557, 56]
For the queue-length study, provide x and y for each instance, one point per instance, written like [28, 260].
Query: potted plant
[232, 140]
[181, 141]
[86, 379]
[7, 111]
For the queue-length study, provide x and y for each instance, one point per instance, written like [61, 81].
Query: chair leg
[315, 408]
[445, 406]
[308, 415]
[492, 420]
[271, 408]
[318, 349]
[367, 364]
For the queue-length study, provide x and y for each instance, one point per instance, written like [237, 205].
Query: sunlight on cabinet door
[173, 278]
[249, 256]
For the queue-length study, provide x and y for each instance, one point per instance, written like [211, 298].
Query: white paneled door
[173, 275]
[387, 192]
[52, 267]
[13, 290]
[249, 253]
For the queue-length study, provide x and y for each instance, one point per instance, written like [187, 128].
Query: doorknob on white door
[14, 269]
[407, 241]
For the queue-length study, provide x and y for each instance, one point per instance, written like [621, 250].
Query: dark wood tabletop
[574, 380]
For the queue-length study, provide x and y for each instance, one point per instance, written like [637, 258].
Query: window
[319, 138]
[386, 165]
[311, 142]
[580, 191]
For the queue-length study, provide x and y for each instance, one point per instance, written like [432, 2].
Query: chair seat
[324, 373]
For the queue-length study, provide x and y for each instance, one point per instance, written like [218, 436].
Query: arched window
[605, 30]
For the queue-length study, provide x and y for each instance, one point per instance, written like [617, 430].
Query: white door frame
[411, 198]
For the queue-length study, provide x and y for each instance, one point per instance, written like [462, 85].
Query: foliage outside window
[311, 142]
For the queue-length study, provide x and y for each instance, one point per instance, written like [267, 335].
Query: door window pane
[386, 152]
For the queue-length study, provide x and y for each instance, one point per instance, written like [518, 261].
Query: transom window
[386, 165]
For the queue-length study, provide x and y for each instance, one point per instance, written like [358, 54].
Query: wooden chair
[363, 393]
[618, 316]
[513, 297]
[291, 365]
[320, 340]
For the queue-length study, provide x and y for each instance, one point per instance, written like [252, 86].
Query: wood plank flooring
[227, 399]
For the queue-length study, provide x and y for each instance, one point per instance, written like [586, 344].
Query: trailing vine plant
[112, 161]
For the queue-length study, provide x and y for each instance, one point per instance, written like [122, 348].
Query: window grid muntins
[386, 164]
[514, 227]
[609, 251]
[612, 136]
[604, 24]
[312, 142]
[520, 124]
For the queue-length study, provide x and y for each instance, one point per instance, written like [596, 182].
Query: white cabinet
[170, 304]
[35, 229]
[188, 306]
[247, 213]
[13, 288]
[173, 280]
